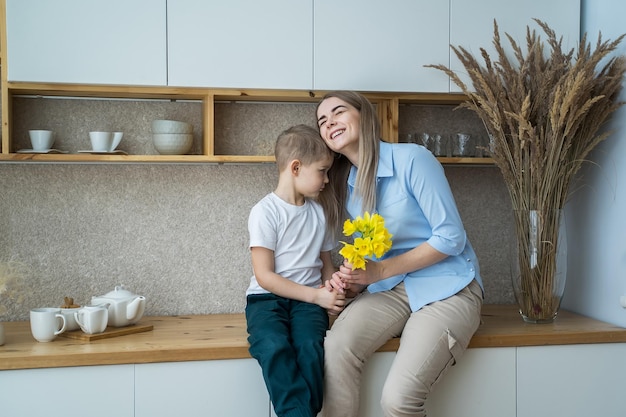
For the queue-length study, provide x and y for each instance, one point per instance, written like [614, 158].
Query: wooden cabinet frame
[387, 106]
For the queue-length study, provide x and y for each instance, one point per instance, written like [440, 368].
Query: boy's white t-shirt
[296, 234]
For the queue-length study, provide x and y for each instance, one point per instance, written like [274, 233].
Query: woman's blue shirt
[414, 197]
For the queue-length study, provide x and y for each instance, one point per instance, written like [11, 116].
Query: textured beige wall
[177, 233]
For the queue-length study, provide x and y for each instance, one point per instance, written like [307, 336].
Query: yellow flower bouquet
[370, 238]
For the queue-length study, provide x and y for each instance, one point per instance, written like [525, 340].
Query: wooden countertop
[223, 336]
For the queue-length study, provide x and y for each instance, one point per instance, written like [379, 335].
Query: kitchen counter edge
[224, 336]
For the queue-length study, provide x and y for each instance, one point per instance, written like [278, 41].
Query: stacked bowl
[171, 137]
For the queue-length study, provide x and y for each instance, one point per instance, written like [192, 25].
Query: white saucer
[115, 152]
[46, 151]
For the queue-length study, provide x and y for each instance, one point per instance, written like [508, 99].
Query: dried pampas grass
[12, 283]
[543, 112]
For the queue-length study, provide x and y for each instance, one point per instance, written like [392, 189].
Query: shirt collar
[385, 164]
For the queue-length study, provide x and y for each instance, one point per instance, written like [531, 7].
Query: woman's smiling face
[339, 126]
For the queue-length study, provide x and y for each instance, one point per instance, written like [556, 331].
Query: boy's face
[311, 179]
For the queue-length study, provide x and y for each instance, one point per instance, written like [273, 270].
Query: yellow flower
[370, 238]
[348, 228]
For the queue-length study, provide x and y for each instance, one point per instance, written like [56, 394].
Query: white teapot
[125, 308]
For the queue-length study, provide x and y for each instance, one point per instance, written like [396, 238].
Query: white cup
[92, 319]
[41, 140]
[117, 138]
[70, 321]
[105, 141]
[101, 141]
[46, 323]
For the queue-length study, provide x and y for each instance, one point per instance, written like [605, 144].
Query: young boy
[287, 305]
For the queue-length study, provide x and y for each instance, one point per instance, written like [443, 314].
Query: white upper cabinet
[471, 25]
[240, 43]
[87, 42]
[271, 44]
[381, 46]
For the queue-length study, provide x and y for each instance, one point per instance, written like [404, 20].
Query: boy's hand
[330, 299]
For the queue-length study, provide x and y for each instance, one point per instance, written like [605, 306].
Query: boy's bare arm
[263, 266]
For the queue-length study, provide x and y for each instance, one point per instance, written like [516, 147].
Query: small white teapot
[125, 308]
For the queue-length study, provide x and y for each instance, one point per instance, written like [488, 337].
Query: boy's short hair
[300, 142]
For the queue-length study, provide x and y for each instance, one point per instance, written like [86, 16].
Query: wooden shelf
[387, 107]
[217, 159]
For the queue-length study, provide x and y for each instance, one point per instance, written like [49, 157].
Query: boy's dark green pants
[287, 339]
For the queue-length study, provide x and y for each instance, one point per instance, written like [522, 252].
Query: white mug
[46, 323]
[41, 140]
[92, 319]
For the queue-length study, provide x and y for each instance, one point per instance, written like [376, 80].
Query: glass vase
[538, 263]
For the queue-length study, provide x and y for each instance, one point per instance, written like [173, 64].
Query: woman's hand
[360, 278]
[348, 281]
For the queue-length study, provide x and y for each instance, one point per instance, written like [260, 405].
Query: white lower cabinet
[538, 381]
[225, 388]
[571, 380]
[481, 384]
[96, 391]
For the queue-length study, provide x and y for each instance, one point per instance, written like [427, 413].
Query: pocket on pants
[456, 349]
[443, 357]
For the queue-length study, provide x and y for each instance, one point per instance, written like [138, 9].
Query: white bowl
[171, 126]
[172, 143]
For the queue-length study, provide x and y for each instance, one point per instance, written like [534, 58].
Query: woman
[426, 289]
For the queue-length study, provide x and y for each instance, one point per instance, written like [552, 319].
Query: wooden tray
[108, 332]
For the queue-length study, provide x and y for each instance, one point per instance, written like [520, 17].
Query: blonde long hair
[333, 198]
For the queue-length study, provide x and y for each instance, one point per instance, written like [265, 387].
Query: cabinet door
[571, 380]
[381, 46]
[96, 391]
[471, 25]
[240, 43]
[88, 42]
[481, 384]
[198, 389]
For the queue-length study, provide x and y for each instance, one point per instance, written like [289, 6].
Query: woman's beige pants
[432, 339]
